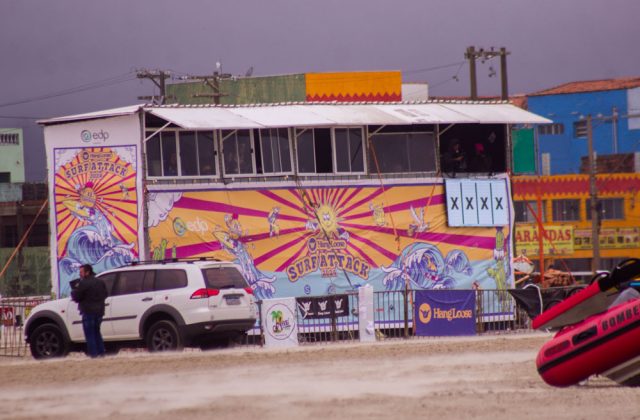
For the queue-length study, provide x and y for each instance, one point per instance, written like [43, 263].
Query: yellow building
[567, 219]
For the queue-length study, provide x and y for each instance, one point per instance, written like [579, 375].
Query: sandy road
[479, 377]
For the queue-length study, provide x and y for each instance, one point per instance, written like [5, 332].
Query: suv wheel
[47, 341]
[163, 336]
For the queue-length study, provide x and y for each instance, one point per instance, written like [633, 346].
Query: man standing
[90, 293]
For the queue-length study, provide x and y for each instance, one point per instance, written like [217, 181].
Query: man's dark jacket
[90, 293]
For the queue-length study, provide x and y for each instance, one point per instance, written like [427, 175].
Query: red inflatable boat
[607, 342]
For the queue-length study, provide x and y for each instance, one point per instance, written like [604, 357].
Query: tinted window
[224, 278]
[129, 282]
[108, 280]
[170, 279]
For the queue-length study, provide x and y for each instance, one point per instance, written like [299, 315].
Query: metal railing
[13, 312]
[495, 312]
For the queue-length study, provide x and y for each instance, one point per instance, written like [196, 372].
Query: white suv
[163, 305]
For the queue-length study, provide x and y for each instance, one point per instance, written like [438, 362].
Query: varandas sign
[445, 312]
[558, 240]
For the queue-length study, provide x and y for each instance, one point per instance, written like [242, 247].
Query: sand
[489, 377]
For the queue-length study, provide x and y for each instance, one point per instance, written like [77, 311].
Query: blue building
[614, 105]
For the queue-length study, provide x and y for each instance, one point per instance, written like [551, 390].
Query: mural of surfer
[95, 226]
[378, 214]
[272, 218]
[231, 241]
[418, 225]
[423, 266]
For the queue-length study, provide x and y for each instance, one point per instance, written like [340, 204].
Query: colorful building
[614, 105]
[567, 219]
[307, 199]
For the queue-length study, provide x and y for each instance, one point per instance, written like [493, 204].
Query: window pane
[245, 154]
[129, 282]
[306, 155]
[206, 153]
[356, 148]
[230, 151]
[154, 159]
[223, 278]
[108, 280]
[342, 150]
[285, 152]
[170, 279]
[421, 152]
[169, 154]
[268, 164]
[390, 152]
[566, 210]
[188, 153]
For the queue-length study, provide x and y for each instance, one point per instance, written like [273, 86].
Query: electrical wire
[87, 86]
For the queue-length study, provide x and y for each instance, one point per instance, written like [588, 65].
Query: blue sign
[445, 312]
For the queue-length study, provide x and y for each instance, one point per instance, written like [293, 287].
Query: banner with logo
[329, 239]
[95, 209]
[332, 306]
[279, 322]
[445, 312]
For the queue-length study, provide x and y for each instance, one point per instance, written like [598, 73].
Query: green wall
[34, 279]
[270, 89]
[12, 156]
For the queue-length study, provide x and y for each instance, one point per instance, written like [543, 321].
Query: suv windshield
[224, 278]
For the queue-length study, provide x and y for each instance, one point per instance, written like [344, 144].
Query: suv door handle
[107, 304]
[147, 299]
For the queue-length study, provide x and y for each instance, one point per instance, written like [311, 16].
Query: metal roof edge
[113, 112]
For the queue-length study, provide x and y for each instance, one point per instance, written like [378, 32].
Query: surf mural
[96, 209]
[318, 240]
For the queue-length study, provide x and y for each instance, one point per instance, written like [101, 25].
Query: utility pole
[158, 77]
[593, 200]
[472, 55]
[503, 73]
[213, 82]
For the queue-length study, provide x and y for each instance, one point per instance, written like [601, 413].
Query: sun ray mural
[313, 240]
[96, 209]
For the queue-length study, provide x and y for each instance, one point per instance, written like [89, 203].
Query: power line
[16, 117]
[444, 66]
[87, 86]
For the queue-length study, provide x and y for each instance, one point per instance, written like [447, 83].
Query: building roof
[329, 114]
[591, 86]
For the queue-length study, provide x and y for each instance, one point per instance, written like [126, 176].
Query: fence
[13, 313]
[496, 312]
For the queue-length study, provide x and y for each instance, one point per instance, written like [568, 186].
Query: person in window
[480, 161]
[455, 158]
[172, 167]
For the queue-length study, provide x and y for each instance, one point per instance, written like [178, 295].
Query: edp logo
[95, 137]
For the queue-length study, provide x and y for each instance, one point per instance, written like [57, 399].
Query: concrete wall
[565, 149]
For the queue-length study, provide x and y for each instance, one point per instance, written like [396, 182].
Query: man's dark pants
[91, 326]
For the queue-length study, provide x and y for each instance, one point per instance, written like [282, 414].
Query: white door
[132, 295]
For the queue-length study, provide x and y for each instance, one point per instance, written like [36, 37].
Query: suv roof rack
[174, 260]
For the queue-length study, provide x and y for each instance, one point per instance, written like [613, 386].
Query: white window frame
[313, 133]
[435, 151]
[215, 154]
[253, 153]
[290, 152]
[177, 132]
[335, 155]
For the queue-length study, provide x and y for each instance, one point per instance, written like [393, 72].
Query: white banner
[480, 202]
[279, 322]
[365, 314]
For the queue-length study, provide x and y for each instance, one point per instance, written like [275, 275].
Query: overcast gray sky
[47, 47]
